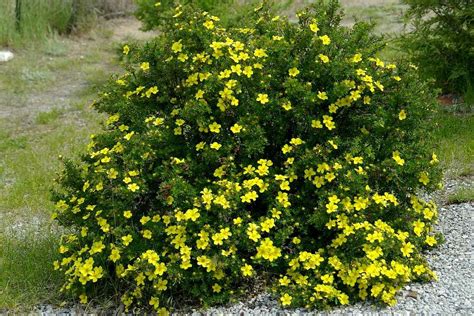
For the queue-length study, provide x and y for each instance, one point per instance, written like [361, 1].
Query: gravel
[451, 295]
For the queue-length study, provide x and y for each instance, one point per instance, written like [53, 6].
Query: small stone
[412, 294]
[6, 56]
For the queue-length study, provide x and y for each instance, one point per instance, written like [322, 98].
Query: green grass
[48, 117]
[462, 195]
[31, 168]
[27, 274]
[454, 139]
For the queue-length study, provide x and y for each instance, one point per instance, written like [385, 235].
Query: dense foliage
[155, 14]
[278, 152]
[442, 42]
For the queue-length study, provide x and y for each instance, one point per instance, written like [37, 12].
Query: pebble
[6, 56]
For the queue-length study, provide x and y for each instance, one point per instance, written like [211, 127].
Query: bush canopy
[271, 153]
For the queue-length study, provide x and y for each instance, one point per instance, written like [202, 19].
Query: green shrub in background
[442, 43]
[271, 152]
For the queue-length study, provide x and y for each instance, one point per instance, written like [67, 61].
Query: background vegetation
[441, 43]
[26, 21]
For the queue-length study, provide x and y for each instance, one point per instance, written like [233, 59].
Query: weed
[47, 117]
[462, 195]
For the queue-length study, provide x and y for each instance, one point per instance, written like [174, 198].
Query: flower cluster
[281, 151]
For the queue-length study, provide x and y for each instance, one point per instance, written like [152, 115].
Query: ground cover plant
[275, 151]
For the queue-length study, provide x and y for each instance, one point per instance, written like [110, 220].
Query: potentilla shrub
[276, 153]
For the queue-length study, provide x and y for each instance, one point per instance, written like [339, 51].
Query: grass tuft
[462, 195]
[48, 117]
[454, 139]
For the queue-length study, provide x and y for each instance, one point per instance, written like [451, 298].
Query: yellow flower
[236, 128]
[192, 214]
[208, 24]
[325, 40]
[129, 135]
[402, 115]
[182, 57]
[267, 225]
[407, 249]
[434, 159]
[286, 299]
[216, 145]
[374, 237]
[177, 47]
[237, 221]
[160, 268]
[146, 234]
[114, 255]
[430, 240]
[150, 91]
[331, 208]
[200, 146]
[262, 98]
[328, 122]
[127, 214]
[215, 127]
[260, 53]
[418, 227]
[316, 124]
[216, 288]
[126, 240]
[419, 269]
[83, 298]
[284, 281]
[97, 247]
[323, 58]
[397, 158]
[286, 149]
[248, 71]
[322, 95]
[293, 72]
[285, 186]
[314, 27]
[267, 250]
[199, 94]
[145, 66]
[343, 298]
[133, 187]
[356, 58]
[423, 178]
[155, 302]
[247, 270]
[374, 253]
[287, 106]
[126, 49]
